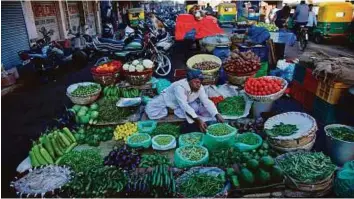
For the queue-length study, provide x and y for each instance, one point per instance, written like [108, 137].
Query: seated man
[182, 97]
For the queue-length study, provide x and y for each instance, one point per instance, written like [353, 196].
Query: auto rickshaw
[333, 20]
[227, 13]
[136, 15]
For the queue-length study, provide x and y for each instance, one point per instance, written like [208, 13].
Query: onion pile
[206, 65]
[242, 63]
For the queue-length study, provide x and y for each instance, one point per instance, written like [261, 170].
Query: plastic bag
[344, 181]
[190, 35]
[182, 142]
[169, 146]
[217, 142]
[181, 162]
[146, 143]
[162, 84]
[246, 147]
[258, 35]
[147, 126]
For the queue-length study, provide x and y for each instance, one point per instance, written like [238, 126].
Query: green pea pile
[85, 90]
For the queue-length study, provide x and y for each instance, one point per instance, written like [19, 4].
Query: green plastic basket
[213, 142]
[247, 147]
[147, 126]
[181, 162]
[145, 144]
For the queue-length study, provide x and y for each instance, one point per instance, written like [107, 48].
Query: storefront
[91, 20]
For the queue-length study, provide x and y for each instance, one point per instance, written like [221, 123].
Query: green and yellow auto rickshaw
[227, 13]
[135, 15]
[333, 20]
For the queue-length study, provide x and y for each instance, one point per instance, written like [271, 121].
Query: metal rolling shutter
[13, 33]
[91, 21]
[45, 15]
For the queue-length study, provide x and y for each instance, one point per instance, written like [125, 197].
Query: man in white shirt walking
[182, 97]
[312, 21]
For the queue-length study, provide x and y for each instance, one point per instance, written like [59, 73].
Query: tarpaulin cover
[207, 26]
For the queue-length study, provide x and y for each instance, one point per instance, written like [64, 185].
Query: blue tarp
[258, 35]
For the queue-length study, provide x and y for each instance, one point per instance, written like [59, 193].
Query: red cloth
[208, 26]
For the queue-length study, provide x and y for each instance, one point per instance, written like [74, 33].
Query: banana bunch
[122, 132]
[51, 146]
[114, 92]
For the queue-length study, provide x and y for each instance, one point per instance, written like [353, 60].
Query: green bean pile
[191, 139]
[109, 112]
[167, 128]
[282, 130]
[219, 130]
[342, 133]
[232, 106]
[192, 153]
[163, 140]
[138, 138]
[80, 161]
[201, 185]
[307, 167]
[82, 91]
[247, 138]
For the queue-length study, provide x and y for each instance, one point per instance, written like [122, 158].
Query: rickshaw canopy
[335, 12]
[227, 8]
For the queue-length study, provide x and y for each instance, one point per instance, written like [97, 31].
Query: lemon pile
[122, 132]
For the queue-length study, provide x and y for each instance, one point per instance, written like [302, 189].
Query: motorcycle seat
[112, 41]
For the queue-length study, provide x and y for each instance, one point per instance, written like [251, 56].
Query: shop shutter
[91, 21]
[45, 15]
[14, 35]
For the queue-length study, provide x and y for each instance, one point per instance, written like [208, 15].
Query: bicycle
[303, 37]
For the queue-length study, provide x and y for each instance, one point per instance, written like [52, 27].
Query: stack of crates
[316, 96]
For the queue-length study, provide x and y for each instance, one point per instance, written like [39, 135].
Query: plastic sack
[286, 73]
[213, 171]
[147, 126]
[182, 142]
[181, 162]
[246, 147]
[146, 143]
[344, 181]
[217, 142]
[169, 146]
[161, 85]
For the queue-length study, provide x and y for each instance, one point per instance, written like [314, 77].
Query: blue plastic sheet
[283, 36]
[286, 73]
[258, 35]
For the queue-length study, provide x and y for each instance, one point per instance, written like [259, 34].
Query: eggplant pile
[242, 63]
[249, 126]
[125, 158]
[66, 119]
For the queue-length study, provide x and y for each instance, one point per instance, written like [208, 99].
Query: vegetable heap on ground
[138, 65]
[282, 130]
[107, 68]
[109, 112]
[219, 129]
[153, 160]
[85, 114]
[206, 65]
[247, 138]
[269, 27]
[342, 133]
[97, 182]
[81, 161]
[193, 153]
[263, 86]
[201, 185]
[122, 132]
[224, 158]
[51, 147]
[168, 129]
[124, 158]
[242, 63]
[93, 135]
[307, 167]
[85, 90]
[113, 92]
[232, 106]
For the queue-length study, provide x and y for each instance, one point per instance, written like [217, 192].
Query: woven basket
[306, 147]
[105, 79]
[82, 100]
[293, 143]
[202, 58]
[238, 80]
[272, 97]
[138, 78]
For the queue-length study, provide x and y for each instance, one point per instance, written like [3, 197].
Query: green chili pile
[80, 161]
[219, 129]
[167, 128]
[307, 167]
[232, 106]
[247, 138]
[153, 160]
[163, 140]
[82, 91]
[201, 185]
[282, 130]
[192, 153]
[138, 138]
[109, 112]
[342, 133]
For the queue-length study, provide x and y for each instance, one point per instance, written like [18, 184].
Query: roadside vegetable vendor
[183, 98]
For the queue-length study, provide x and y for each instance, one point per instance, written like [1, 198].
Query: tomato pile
[217, 99]
[263, 86]
[110, 67]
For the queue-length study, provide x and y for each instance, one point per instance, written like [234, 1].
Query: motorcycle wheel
[163, 64]
[80, 59]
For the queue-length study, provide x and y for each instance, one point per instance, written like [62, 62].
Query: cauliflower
[139, 68]
[131, 68]
[148, 63]
[126, 67]
[135, 62]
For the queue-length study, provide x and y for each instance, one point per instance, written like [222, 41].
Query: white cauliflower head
[126, 67]
[131, 68]
[139, 68]
[135, 62]
[147, 63]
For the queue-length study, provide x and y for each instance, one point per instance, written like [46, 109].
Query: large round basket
[306, 147]
[238, 80]
[202, 58]
[138, 78]
[82, 100]
[105, 79]
[272, 97]
[305, 134]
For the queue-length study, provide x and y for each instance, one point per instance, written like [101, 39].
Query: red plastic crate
[297, 91]
[310, 82]
[309, 100]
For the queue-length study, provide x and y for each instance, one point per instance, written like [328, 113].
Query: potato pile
[242, 63]
[206, 65]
